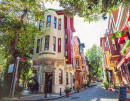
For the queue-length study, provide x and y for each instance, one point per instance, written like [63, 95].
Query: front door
[48, 82]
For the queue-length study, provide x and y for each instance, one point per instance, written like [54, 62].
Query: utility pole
[15, 76]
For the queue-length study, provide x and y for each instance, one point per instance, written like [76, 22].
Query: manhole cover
[74, 97]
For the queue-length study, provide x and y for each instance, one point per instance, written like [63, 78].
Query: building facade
[53, 53]
[119, 21]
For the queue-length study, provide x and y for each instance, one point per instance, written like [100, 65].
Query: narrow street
[96, 93]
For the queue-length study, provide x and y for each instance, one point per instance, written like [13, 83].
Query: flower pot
[106, 88]
[67, 94]
[78, 91]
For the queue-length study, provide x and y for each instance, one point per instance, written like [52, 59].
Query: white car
[95, 83]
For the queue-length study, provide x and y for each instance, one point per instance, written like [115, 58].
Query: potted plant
[106, 85]
[67, 90]
[78, 88]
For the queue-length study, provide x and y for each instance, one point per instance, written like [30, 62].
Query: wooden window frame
[59, 45]
[47, 43]
[38, 45]
[48, 21]
[54, 44]
[59, 28]
[54, 22]
[61, 76]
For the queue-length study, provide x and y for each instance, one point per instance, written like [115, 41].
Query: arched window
[60, 76]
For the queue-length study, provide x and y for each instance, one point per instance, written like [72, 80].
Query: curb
[43, 99]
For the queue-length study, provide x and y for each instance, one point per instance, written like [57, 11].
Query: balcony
[114, 50]
[78, 69]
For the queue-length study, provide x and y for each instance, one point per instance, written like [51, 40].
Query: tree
[90, 9]
[93, 56]
[18, 28]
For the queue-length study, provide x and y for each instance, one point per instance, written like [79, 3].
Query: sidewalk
[38, 97]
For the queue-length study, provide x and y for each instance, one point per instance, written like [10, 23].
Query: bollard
[60, 92]
[19, 95]
[46, 92]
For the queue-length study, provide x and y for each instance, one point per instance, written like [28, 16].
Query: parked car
[90, 84]
[95, 83]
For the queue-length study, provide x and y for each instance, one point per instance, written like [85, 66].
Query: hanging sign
[22, 59]
[11, 66]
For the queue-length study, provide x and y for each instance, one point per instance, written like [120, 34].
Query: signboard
[11, 66]
[124, 94]
[22, 59]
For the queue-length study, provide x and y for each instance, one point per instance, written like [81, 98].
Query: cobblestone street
[96, 93]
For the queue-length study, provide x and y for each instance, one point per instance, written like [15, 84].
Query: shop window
[59, 44]
[38, 45]
[66, 78]
[54, 22]
[48, 24]
[46, 42]
[59, 24]
[54, 43]
[60, 76]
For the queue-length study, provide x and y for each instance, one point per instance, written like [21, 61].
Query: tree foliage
[18, 25]
[90, 9]
[93, 56]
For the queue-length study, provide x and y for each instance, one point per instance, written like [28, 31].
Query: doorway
[48, 82]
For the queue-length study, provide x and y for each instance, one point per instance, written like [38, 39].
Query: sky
[89, 33]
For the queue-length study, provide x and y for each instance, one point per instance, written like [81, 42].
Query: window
[48, 21]
[66, 38]
[66, 55]
[66, 78]
[77, 61]
[83, 67]
[59, 44]
[40, 25]
[54, 44]
[105, 44]
[54, 22]
[59, 24]
[46, 42]
[60, 76]
[114, 45]
[38, 45]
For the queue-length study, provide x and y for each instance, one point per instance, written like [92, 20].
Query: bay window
[59, 44]
[59, 24]
[48, 24]
[54, 22]
[46, 42]
[54, 43]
